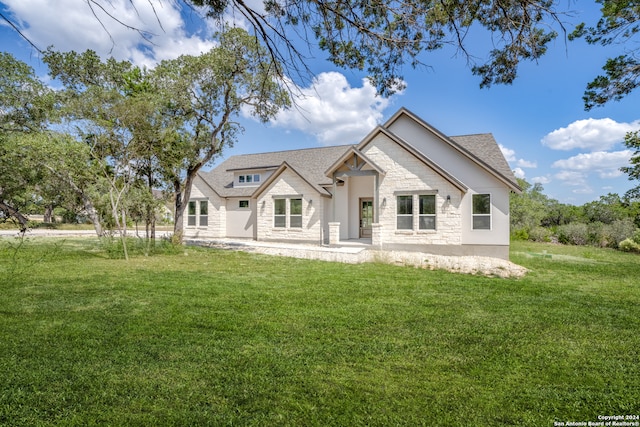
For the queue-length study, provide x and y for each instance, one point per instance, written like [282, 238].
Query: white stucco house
[405, 186]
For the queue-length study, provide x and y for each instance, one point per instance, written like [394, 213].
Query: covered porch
[355, 202]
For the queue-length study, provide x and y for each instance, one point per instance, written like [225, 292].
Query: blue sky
[539, 121]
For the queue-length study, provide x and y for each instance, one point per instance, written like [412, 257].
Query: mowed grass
[212, 337]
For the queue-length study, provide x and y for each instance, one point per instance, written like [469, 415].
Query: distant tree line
[612, 221]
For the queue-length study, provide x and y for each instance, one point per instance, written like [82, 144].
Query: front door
[366, 217]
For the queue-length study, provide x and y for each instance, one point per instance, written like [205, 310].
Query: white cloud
[589, 134]
[508, 153]
[527, 164]
[541, 180]
[72, 25]
[519, 173]
[572, 177]
[605, 164]
[333, 111]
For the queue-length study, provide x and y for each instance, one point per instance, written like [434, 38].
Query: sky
[539, 121]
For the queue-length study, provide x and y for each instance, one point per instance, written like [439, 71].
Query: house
[405, 186]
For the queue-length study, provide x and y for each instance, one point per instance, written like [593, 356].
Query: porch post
[334, 233]
[333, 198]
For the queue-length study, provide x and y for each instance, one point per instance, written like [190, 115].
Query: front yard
[210, 337]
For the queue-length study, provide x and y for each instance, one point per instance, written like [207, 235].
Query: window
[280, 212]
[191, 213]
[204, 213]
[243, 204]
[287, 213]
[427, 212]
[198, 216]
[481, 212]
[405, 213]
[248, 179]
[295, 213]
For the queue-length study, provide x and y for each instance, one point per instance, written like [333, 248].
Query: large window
[405, 213]
[295, 213]
[198, 213]
[287, 213]
[481, 211]
[427, 212]
[280, 212]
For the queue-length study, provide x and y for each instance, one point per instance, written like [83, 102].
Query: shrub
[629, 245]
[573, 234]
[622, 229]
[520, 234]
[540, 234]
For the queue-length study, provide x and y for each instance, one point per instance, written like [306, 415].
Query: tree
[619, 24]
[202, 96]
[632, 142]
[381, 37]
[26, 104]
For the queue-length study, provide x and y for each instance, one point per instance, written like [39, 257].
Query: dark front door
[366, 217]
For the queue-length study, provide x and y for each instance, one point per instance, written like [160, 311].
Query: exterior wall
[289, 185]
[407, 175]
[216, 227]
[241, 221]
[468, 172]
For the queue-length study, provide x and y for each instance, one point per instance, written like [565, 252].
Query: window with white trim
[249, 178]
[295, 213]
[280, 213]
[481, 211]
[287, 213]
[404, 213]
[198, 213]
[427, 212]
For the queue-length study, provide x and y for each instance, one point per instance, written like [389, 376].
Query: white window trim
[415, 212]
[287, 214]
[434, 214]
[197, 216]
[490, 214]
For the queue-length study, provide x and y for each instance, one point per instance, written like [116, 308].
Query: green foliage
[618, 24]
[632, 142]
[383, 37]
[573, 234]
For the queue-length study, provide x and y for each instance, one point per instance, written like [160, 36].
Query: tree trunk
[48, 214]
[178, 225]
[12, 212]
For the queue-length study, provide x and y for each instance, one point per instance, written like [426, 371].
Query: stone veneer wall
[406, 173]
[286, 185]
[217, 227]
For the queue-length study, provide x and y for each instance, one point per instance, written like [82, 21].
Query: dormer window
[249, 179]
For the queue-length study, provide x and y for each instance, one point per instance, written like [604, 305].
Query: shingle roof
[484, 147]
[311, 163]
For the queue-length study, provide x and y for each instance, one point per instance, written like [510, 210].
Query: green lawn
[209, 337]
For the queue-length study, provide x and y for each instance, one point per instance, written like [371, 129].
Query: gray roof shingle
[484, 148]
[311, 163]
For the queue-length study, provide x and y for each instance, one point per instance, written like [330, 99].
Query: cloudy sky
[539, 121]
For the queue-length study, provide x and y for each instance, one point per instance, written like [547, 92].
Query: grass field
[206, 337]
